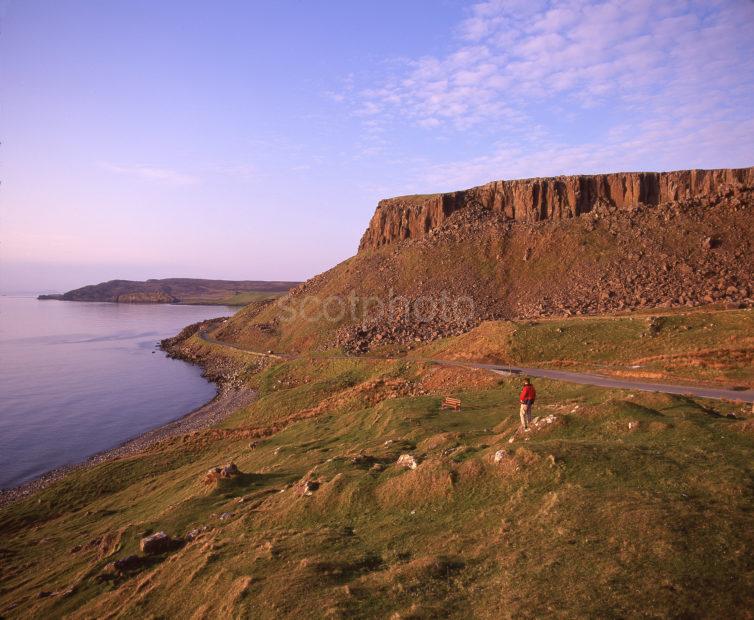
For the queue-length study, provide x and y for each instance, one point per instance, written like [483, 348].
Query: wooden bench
[451, 403]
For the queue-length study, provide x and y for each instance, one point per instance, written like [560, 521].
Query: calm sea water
[80, 377]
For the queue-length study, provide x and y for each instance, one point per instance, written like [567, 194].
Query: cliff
[552, 198]
[682, 253]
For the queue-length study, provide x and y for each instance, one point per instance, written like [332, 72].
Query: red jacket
[528, 394]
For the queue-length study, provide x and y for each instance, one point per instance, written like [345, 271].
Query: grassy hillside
[616, 504]
[622, 505]
[702, 346]
[244, 299]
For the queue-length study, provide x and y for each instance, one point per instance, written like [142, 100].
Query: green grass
[585, 518]
[710, 346]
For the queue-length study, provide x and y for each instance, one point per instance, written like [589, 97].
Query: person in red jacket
[527, 398]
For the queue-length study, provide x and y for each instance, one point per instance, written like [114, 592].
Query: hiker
[528, 395]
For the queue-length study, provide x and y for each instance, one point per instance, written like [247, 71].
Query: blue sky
[254, 139]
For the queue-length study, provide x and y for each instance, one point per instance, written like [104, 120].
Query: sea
[77, 378]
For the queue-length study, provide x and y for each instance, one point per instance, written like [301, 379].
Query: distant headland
[176, 291]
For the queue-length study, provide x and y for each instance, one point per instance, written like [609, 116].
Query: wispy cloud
[170, 176]
[151, 173]
[513, 54]
[662, 76]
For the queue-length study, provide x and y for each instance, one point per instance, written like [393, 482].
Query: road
[698, 391]
[746, 396]
[207, 338]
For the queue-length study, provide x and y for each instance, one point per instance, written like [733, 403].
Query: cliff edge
[551, 198]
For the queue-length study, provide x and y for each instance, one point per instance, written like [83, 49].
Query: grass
[236, 299]
[242, 299]
[584, 517]
[712, 346]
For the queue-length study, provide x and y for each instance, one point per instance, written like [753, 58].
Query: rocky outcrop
[553, 198]
[408, 461]
[224, 472]
[156, 543]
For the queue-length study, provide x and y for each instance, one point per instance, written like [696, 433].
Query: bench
[451, 403]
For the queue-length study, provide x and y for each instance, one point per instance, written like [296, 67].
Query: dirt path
[207, 338]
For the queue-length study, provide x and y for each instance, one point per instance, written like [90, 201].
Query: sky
[253, 139]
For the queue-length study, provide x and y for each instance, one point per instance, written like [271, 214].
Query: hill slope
[617, 504]
[424, 273]
[176, 290]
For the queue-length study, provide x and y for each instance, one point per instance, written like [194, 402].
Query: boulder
[710, 243]
[229, 470]
[196, 532]
[158, 542]
[216, 473]
[361, 459]
[128, 563]
[213, 475]
[549, 419]
[500, 456]
[407, 460]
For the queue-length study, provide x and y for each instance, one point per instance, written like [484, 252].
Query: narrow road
[207, 338]
[746, 396]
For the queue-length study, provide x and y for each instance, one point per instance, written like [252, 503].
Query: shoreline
[226, 401]
[142, 303]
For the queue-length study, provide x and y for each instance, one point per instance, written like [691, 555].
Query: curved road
[746, 396]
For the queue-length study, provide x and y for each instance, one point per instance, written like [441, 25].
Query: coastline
[226, 401]
[235, 306]
[229, 397]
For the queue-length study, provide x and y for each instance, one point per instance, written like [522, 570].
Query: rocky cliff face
[553, 198]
